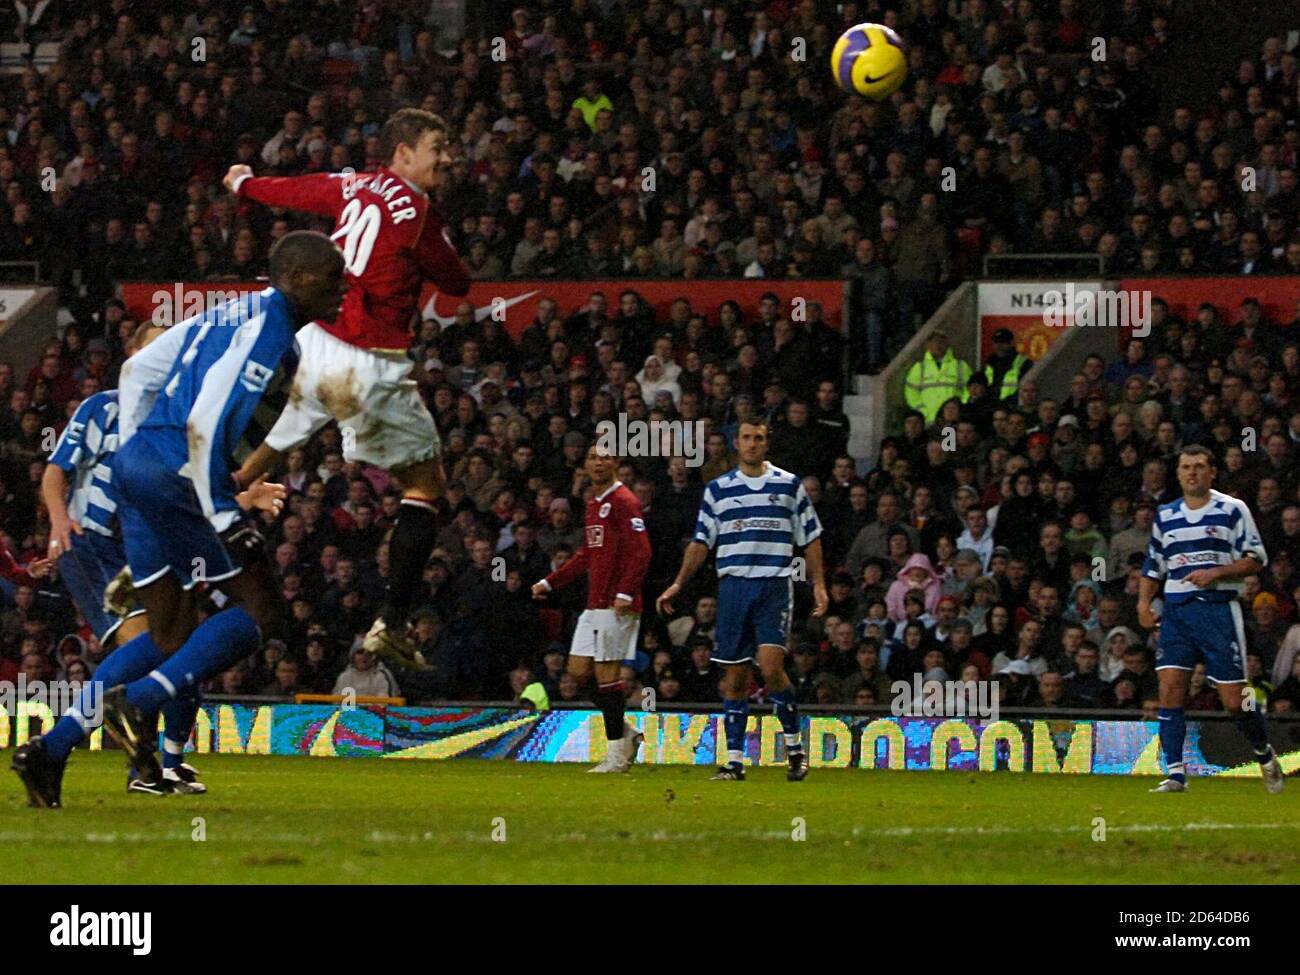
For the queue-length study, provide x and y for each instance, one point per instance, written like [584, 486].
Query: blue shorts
[751, 613]
[86, 569]
[163, 524]
[1203, 631]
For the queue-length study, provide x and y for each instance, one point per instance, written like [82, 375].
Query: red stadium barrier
[1277, 295]
[518, 299]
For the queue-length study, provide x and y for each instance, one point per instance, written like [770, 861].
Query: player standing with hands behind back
[1202, 545]
[755, 515]
[615, 556]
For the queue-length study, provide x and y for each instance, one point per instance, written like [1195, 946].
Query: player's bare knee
[735, 681]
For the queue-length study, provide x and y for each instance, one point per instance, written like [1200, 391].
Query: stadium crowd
[649, 140]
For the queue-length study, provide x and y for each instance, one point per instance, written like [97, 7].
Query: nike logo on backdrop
[431, 313]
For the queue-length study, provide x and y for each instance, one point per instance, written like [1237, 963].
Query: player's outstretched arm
[696, 553]
[572, 570]
[312, 193]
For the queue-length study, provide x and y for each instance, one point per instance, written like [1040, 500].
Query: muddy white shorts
[604, 635]
[369, 392]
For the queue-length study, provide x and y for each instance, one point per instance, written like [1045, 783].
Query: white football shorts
[369, 392]
[606, 636]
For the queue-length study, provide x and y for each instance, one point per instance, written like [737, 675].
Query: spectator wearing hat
[1265, 629]
[1019, 683]
[653, 380]
[366, 676]
[916, 574]
[1118, 641]
[1006, 367]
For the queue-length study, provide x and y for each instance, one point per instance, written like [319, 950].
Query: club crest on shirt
[605, 509]
[256, 376]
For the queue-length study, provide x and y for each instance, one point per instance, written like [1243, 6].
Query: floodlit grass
[287, 820]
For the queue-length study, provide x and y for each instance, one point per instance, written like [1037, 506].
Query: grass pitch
[291, 820]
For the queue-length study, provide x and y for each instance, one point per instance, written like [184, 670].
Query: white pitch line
[903, 831]
[656, 836]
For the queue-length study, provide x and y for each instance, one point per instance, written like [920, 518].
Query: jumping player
[1202, 545]
[355, 368]
[755, 515]
[615, 556]
[181, 520]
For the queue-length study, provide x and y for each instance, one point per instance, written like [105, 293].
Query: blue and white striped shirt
[85, 453]
[756, 522]
[227, 382]
[1183, 541]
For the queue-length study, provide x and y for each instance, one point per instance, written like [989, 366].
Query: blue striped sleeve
[1246, 540]
[69, 452]
[1154, 565]
[807, 526]
[706, 523]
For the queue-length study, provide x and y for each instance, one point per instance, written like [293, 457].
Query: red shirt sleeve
[633, 548]
[437, 259]
[314, 193]
[570, 571]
